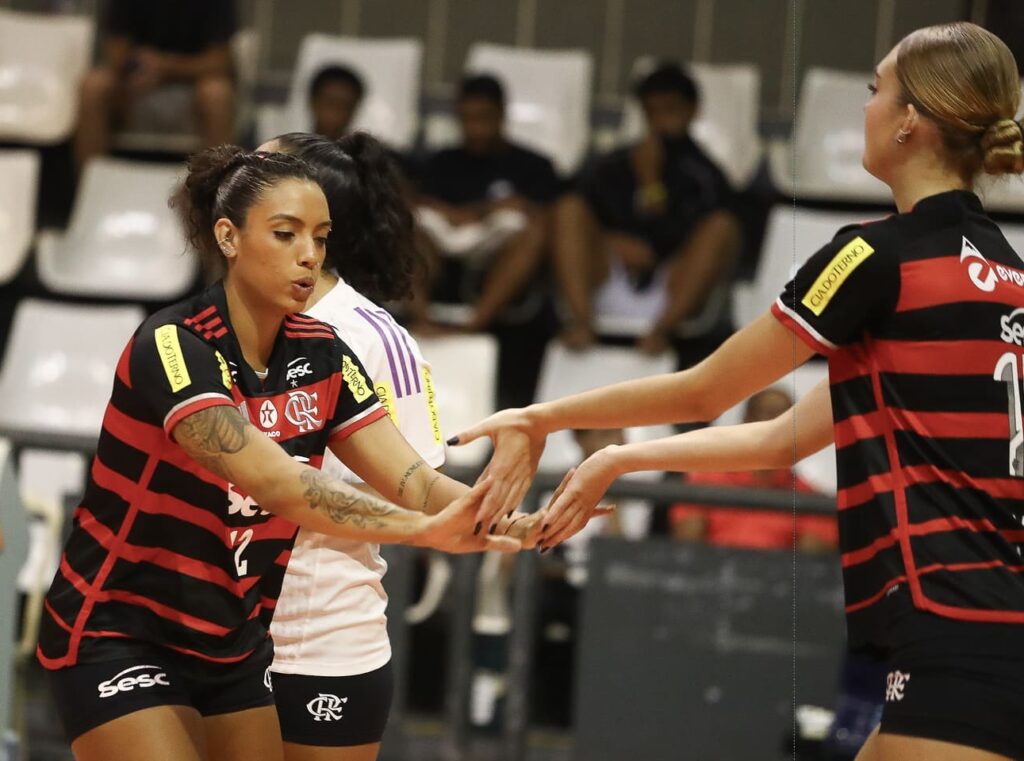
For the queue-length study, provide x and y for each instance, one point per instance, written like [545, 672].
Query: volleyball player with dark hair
[920, 316]
[330, 637]
[156, 626]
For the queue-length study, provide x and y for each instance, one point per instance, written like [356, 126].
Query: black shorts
[334, 711]
[964, 690]
[90, 694]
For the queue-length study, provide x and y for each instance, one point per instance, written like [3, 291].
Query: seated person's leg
[97, 101]
[694, 269]
[581, 263]
[215, 109]
[511, 271]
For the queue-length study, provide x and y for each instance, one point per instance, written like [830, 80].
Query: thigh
[161, 733]
[296, 752]
[244, 735]
[889, 747]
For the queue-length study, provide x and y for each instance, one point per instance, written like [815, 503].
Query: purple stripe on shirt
[405, 369]
[387, 348]
[408, 349]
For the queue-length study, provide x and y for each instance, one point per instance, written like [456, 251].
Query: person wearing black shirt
[153, 43]
[486, 201]
[657, 206]
[335, 95]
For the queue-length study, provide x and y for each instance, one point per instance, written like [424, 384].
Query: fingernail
[493, 527]
[544, 549]
[452, 441]
[479, 524]
[510, 513]
[544, 528]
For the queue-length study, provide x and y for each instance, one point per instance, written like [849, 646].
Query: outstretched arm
[750, 360]
[800, 431]
[223, 442]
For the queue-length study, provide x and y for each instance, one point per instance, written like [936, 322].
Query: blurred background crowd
[602, 189]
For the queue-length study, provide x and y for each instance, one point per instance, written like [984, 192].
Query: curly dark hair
[372, 244]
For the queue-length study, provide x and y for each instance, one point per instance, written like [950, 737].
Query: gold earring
[902, 135]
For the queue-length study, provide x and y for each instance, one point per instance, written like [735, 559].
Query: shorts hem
[321, 742]
[945, 730]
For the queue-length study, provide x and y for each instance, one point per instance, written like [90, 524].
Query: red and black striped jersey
[921, 316]
[162, 550]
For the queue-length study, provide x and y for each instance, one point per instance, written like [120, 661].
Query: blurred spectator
[654, 212]
[484, 205]
[755, 529]
[153, 43]
[334, 98]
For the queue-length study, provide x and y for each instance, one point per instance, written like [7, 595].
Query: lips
[302, 288]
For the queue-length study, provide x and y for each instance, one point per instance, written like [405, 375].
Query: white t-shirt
[330, 618]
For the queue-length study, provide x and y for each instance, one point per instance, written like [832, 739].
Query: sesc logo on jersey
[354, 378]
[171, 357]
[849, 258]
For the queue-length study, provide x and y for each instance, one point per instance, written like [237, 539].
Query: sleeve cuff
[193, 405]
[802, 329]
[361, 420]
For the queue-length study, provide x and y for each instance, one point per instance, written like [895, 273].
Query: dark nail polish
[493, 527]
[510, 513]
[452, 441]
[544, 549]
[478, 527]
[544, 528]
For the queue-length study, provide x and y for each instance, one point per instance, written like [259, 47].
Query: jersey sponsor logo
[296, 371]
[843, 264]
[121, 682]
[301, 411]
[354, 378]
[171, 357]
[895, 684]
[1012, 327]
[435, 419]
[225, 374]
[268, 414]
[242, 504]
[383, 390]
[978, 269]
[326, 707]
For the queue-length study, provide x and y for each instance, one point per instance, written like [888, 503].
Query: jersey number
[242, 539]
[1007, 372]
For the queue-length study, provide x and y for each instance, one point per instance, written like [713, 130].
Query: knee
[214, 92]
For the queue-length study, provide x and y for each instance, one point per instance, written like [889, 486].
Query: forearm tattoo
[430, 488]
[407, 475]
[344, 504]
[208, 434]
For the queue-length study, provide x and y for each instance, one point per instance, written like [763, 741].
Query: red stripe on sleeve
[800, 331]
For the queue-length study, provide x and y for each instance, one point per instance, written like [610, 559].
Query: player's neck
[922, 181]
[255, 328]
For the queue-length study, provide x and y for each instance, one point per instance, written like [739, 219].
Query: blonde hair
[965, 79]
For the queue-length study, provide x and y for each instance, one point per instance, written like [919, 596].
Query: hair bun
[1003, 147]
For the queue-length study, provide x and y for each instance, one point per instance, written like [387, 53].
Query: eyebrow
[296, 220]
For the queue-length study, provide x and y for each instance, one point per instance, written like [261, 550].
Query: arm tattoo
[210, 433]
[343, 504]
[408, 474]
[430, 487]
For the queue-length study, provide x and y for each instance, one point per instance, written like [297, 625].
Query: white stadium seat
[727, 122]
[123, 240]
[15, 529]
[390, 69]
[58, 370]
[782, 253]
[20, 173]
[548, 98]
[464, 370]
[42, 60]
[565, 372]
[829, 142]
